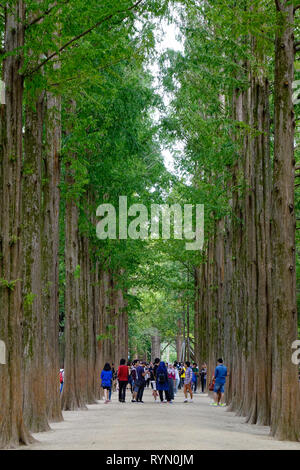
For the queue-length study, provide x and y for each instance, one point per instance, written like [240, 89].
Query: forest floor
[186, 426]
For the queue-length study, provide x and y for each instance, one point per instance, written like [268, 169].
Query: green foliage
[8, 284]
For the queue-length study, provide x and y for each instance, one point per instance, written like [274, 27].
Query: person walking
[162, 382]
[188, 377]
[203, 375]
[220, 380]
[153, 378]
[139, 383]
[106, 381]
[123, 380]
[182, 375]
[171, 379]
[195, 376]
[177, 379]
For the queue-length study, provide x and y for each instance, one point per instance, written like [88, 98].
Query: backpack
[133, 374]
[161, 378]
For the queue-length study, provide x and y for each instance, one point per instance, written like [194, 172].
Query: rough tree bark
[34, 339]
[50, 246]
[285, 411]
[12, 428]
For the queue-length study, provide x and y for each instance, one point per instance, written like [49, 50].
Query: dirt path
[186, 426]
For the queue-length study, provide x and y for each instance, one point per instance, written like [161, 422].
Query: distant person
[177, 378]
[188, 377]
[195, 370]
[61, 379]
[220, 380]
[106, 381]
[139, 383]
[123, 380]
[162, 382]
[153, 383]
[134, 379]
[182, 375]
[203, 375]
[171, 379]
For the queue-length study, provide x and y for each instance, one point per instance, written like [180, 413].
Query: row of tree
[75, 131]
[235, 112]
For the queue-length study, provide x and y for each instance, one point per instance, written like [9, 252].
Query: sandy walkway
[186, 426]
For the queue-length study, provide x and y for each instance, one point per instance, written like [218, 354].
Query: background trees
[78, 128]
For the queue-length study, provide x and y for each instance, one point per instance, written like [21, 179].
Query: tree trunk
[34, 339]
[155, 346]
[50, 251]
[13, 431]
[285, 417]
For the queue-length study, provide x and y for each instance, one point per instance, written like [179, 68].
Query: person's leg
[142, 392]
[120, 391]
[202, 383]
[185, 391]
[191, 392]
[196, 383]
[124, 391]
[161, 395]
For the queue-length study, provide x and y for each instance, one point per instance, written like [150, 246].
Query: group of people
[164, 378]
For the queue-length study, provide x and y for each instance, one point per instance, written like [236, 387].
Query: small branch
[79, 36]
[45, 13]
[104, 67]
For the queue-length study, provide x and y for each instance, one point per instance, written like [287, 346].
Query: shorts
[106, 387]
[219, 388]
[153, 384]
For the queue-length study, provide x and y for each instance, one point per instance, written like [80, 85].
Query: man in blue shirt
[220, 379]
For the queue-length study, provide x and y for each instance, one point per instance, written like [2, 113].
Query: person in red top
[123, 380]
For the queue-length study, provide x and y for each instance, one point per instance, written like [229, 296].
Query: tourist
[162, 383]
[220, 380]
[129, 376]
[188, 377]
[147, 376]
[134, 376]
[123, 380]
[177, 379]
[153, 383]
[106, 381]
[61, 379]
[171, 379]
[182, 375]
[139, 383]
[203, 375]
[195, 376]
